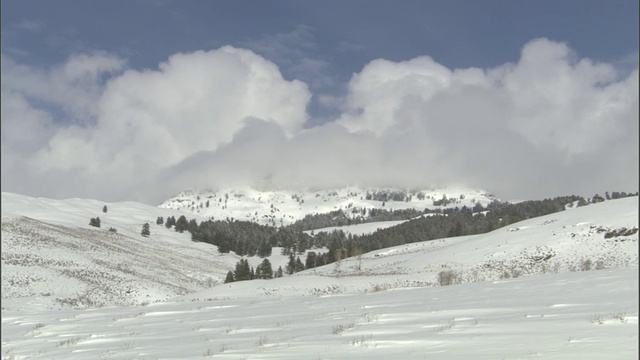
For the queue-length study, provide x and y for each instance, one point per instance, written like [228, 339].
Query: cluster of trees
[358, 216]
[388, 195]
[614, 195]
[264, 271]
[244, 272]
[453, 222]
[245, 238]
[444, 201]
[250, 239]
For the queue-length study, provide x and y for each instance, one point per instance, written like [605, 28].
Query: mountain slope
[568, 241]
[285, 207]
[388, 302]
[51, 255]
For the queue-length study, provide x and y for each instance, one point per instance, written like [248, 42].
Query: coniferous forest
[250, 239]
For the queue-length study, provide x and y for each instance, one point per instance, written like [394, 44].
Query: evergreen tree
[145, 230]
[279, 272]
[192, 226]
[311, 260]
[95, 222]
[171, 221]
[223, 243]
[291, 265]
[160, 220]
[299, 266]
[182, 224]
[104, 209]
[229, 277]
[264, 271]
[243, 272]
[264, 249]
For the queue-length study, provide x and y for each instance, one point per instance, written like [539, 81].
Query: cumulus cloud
[146, 120]
[548, 124]
[75, 87]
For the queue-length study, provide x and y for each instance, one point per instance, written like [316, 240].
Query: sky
[139, 100]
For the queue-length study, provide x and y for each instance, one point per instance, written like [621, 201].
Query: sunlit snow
[524, 291]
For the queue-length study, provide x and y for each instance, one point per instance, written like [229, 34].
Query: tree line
[251, 239]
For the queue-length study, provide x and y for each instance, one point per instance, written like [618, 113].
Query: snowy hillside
[559, 286]
[568, 241]
[284, 207]
[51, 257]
[50, 253]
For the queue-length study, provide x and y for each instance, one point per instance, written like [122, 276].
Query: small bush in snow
[447, 277]
[95, 222]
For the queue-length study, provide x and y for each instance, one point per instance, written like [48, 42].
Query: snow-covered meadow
[550, 287]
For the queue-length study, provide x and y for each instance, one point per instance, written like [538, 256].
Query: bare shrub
[69, 341]
[339, 329]
[448, 277]
[262, 341]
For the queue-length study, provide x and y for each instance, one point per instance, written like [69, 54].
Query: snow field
[73, 291]
[558, 316]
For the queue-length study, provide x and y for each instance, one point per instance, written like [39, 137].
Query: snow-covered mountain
[560, 286]
[49, 252]
[284, 207]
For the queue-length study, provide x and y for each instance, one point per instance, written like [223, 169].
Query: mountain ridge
[284, 207]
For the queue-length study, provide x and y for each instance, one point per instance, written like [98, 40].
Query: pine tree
[279, 272]
[243, 272]
[291, 265]
[229, 277]
[171, 221]
[160, 220]
[264, 249]
[299, 266]
[264, 271]
[223, 243]
[104, 209]
[181, 224]
[95, 222]
[145, 230]
[310, 262]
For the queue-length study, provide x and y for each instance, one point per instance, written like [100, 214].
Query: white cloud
[147, 120]
[379, 89]
[549, 124]
[550, 108]
[75, 86]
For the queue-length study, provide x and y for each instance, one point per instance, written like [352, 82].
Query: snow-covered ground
[285, 207]
[579, 315]
[549, 287]
[51, 257]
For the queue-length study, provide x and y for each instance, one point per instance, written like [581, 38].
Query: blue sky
[341, 36]
[344, 70]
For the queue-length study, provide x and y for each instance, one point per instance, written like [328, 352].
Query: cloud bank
[549, 124]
